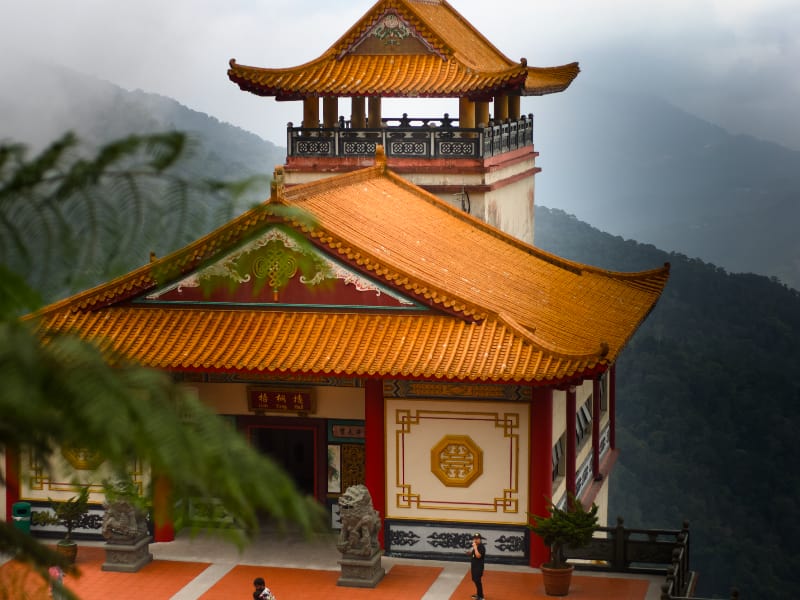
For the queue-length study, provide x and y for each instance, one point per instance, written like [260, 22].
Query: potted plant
[572, 526]
[69, 513]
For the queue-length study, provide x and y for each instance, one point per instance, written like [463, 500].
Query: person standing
[477, 554]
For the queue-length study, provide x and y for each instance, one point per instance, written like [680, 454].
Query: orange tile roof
[451, 59]
[499, 309]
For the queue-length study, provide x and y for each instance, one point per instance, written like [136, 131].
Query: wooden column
[310, 112]
[596, 428]
[374, 447]
[330, 111]
[500, 107]
[570, 468]
[481, 114]
[513, 106]
[358, 115]
[163, 519]
[374, 106]
[466, 113]
[540, 466]
[612, 407]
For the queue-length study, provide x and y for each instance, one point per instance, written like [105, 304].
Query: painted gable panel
[278, 269]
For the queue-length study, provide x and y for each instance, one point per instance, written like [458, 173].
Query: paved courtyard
[209, 568]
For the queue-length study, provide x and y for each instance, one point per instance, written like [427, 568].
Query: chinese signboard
[348, 431]
[266, 399]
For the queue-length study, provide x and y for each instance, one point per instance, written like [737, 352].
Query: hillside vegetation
[708, 411]
[638, 167]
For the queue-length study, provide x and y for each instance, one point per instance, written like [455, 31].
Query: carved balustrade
[411, 138]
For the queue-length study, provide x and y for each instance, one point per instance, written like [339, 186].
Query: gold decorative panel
[82, 459]
[438, 456]
[457, 460]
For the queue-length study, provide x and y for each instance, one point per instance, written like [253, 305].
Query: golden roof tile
[492, 307]
[434, 52]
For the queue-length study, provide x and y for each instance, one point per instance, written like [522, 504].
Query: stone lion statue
[123, 522]
[360, 523]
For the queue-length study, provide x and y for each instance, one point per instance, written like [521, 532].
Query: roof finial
[380, 157]
[277, 187]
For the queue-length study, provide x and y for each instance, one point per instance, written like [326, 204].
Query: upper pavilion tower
[483, 159]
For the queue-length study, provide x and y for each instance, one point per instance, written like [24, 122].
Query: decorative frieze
[412, 539]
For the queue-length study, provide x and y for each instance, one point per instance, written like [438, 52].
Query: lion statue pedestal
[358, 539]
[128, 543]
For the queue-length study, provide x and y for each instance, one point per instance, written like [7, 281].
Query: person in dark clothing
[477, 554]
[261, 592]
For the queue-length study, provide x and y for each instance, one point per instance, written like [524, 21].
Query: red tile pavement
[507, 585]
[402, 582]
[161, 579]
[158, 580]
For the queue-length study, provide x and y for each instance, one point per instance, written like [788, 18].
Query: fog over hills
[41, 102]
[638, 167]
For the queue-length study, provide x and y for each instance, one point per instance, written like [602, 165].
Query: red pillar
[569, 468]
[596, 428]
[612, 407]
[12, 480]
[374, 447]
[163, 523]
[541, 466]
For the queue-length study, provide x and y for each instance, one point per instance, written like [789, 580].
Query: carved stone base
[361, 572]
[127, 558]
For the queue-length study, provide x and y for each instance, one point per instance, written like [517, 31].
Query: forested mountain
[708, 411]
[639, 167]
[57, 99]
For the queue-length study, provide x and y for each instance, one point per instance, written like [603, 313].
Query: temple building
[384, 317]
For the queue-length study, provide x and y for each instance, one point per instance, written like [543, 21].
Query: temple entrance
[292, 449]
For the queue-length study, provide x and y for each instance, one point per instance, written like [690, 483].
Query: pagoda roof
[407, 48]
[448, 296]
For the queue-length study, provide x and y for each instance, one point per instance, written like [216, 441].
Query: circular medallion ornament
[457, 460]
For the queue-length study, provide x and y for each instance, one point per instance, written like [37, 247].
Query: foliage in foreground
[72, 217]
[59, 391]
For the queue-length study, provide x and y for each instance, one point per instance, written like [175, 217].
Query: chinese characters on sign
[348, 431]
[279, 400]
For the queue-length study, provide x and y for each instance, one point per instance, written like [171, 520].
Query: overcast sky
[733, 62]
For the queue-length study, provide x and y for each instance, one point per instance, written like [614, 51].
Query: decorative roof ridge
[485, 40]
[426, 290]
[570, 70]
[530, 334]
[318, 185]
[314, 61]
[175, 263]
[371, 17]
[573, 66]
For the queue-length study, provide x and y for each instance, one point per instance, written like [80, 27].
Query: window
[558, 458]
[583, 422]
[604, 393]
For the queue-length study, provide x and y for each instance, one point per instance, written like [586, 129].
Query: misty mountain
[638, 167]
[53, 100]
[708, 408]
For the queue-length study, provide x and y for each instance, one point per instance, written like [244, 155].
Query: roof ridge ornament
[380, 158]
[278, 186]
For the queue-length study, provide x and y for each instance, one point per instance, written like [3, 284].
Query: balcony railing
[404, 137]
[646, 551]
